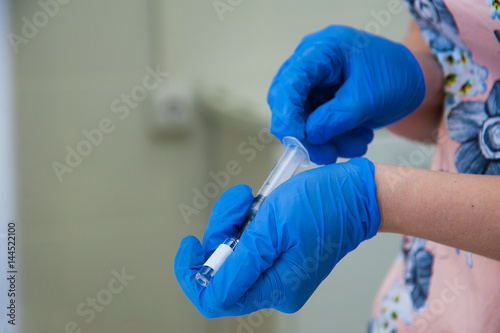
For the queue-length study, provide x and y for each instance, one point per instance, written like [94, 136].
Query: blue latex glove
[339, 85]
[300, 232]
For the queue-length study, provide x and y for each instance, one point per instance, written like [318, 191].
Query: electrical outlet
[173, 108]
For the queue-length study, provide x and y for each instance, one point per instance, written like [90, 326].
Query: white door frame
[7, 178]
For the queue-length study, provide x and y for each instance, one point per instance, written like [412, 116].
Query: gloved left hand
[339, 85]
[303, 228]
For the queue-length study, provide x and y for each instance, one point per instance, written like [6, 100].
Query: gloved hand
[339, 85]
[303, 228]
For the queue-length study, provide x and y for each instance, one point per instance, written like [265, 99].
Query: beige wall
[119, 207]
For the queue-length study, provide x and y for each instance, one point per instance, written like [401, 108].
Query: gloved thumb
[187, 262]
[346, 111]
[227, 216]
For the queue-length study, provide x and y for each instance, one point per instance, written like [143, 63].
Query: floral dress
[432, 287]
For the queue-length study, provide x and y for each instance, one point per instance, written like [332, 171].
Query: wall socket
[173, 109]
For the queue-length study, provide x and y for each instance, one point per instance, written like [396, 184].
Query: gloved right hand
[339, 85]
[301, 231]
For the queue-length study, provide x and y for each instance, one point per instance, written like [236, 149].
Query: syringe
[295, 155]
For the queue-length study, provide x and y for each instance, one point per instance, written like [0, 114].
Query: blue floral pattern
[396, 305]
[408, 296]
[495, 8]
[462, 77]
[436, 23]
[477, 126]
[418, 271]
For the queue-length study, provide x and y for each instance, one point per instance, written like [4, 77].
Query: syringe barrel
[251, 212]
[295, 155]
[254, 207]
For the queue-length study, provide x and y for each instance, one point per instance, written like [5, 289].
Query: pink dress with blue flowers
[432, 287]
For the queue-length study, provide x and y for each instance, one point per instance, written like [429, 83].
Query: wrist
[389, 184]
[369, 216]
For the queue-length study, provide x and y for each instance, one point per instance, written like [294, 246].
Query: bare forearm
[457, 210]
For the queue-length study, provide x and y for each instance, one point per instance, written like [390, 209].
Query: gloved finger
[188, 260]
[227, 215]
[254, 254]
[186, 264]
[258, 274]
[287, 99]
[346, 111]
[269, 290]
[285, 286]
[323, 154]
[308, 68]
[353, 143]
